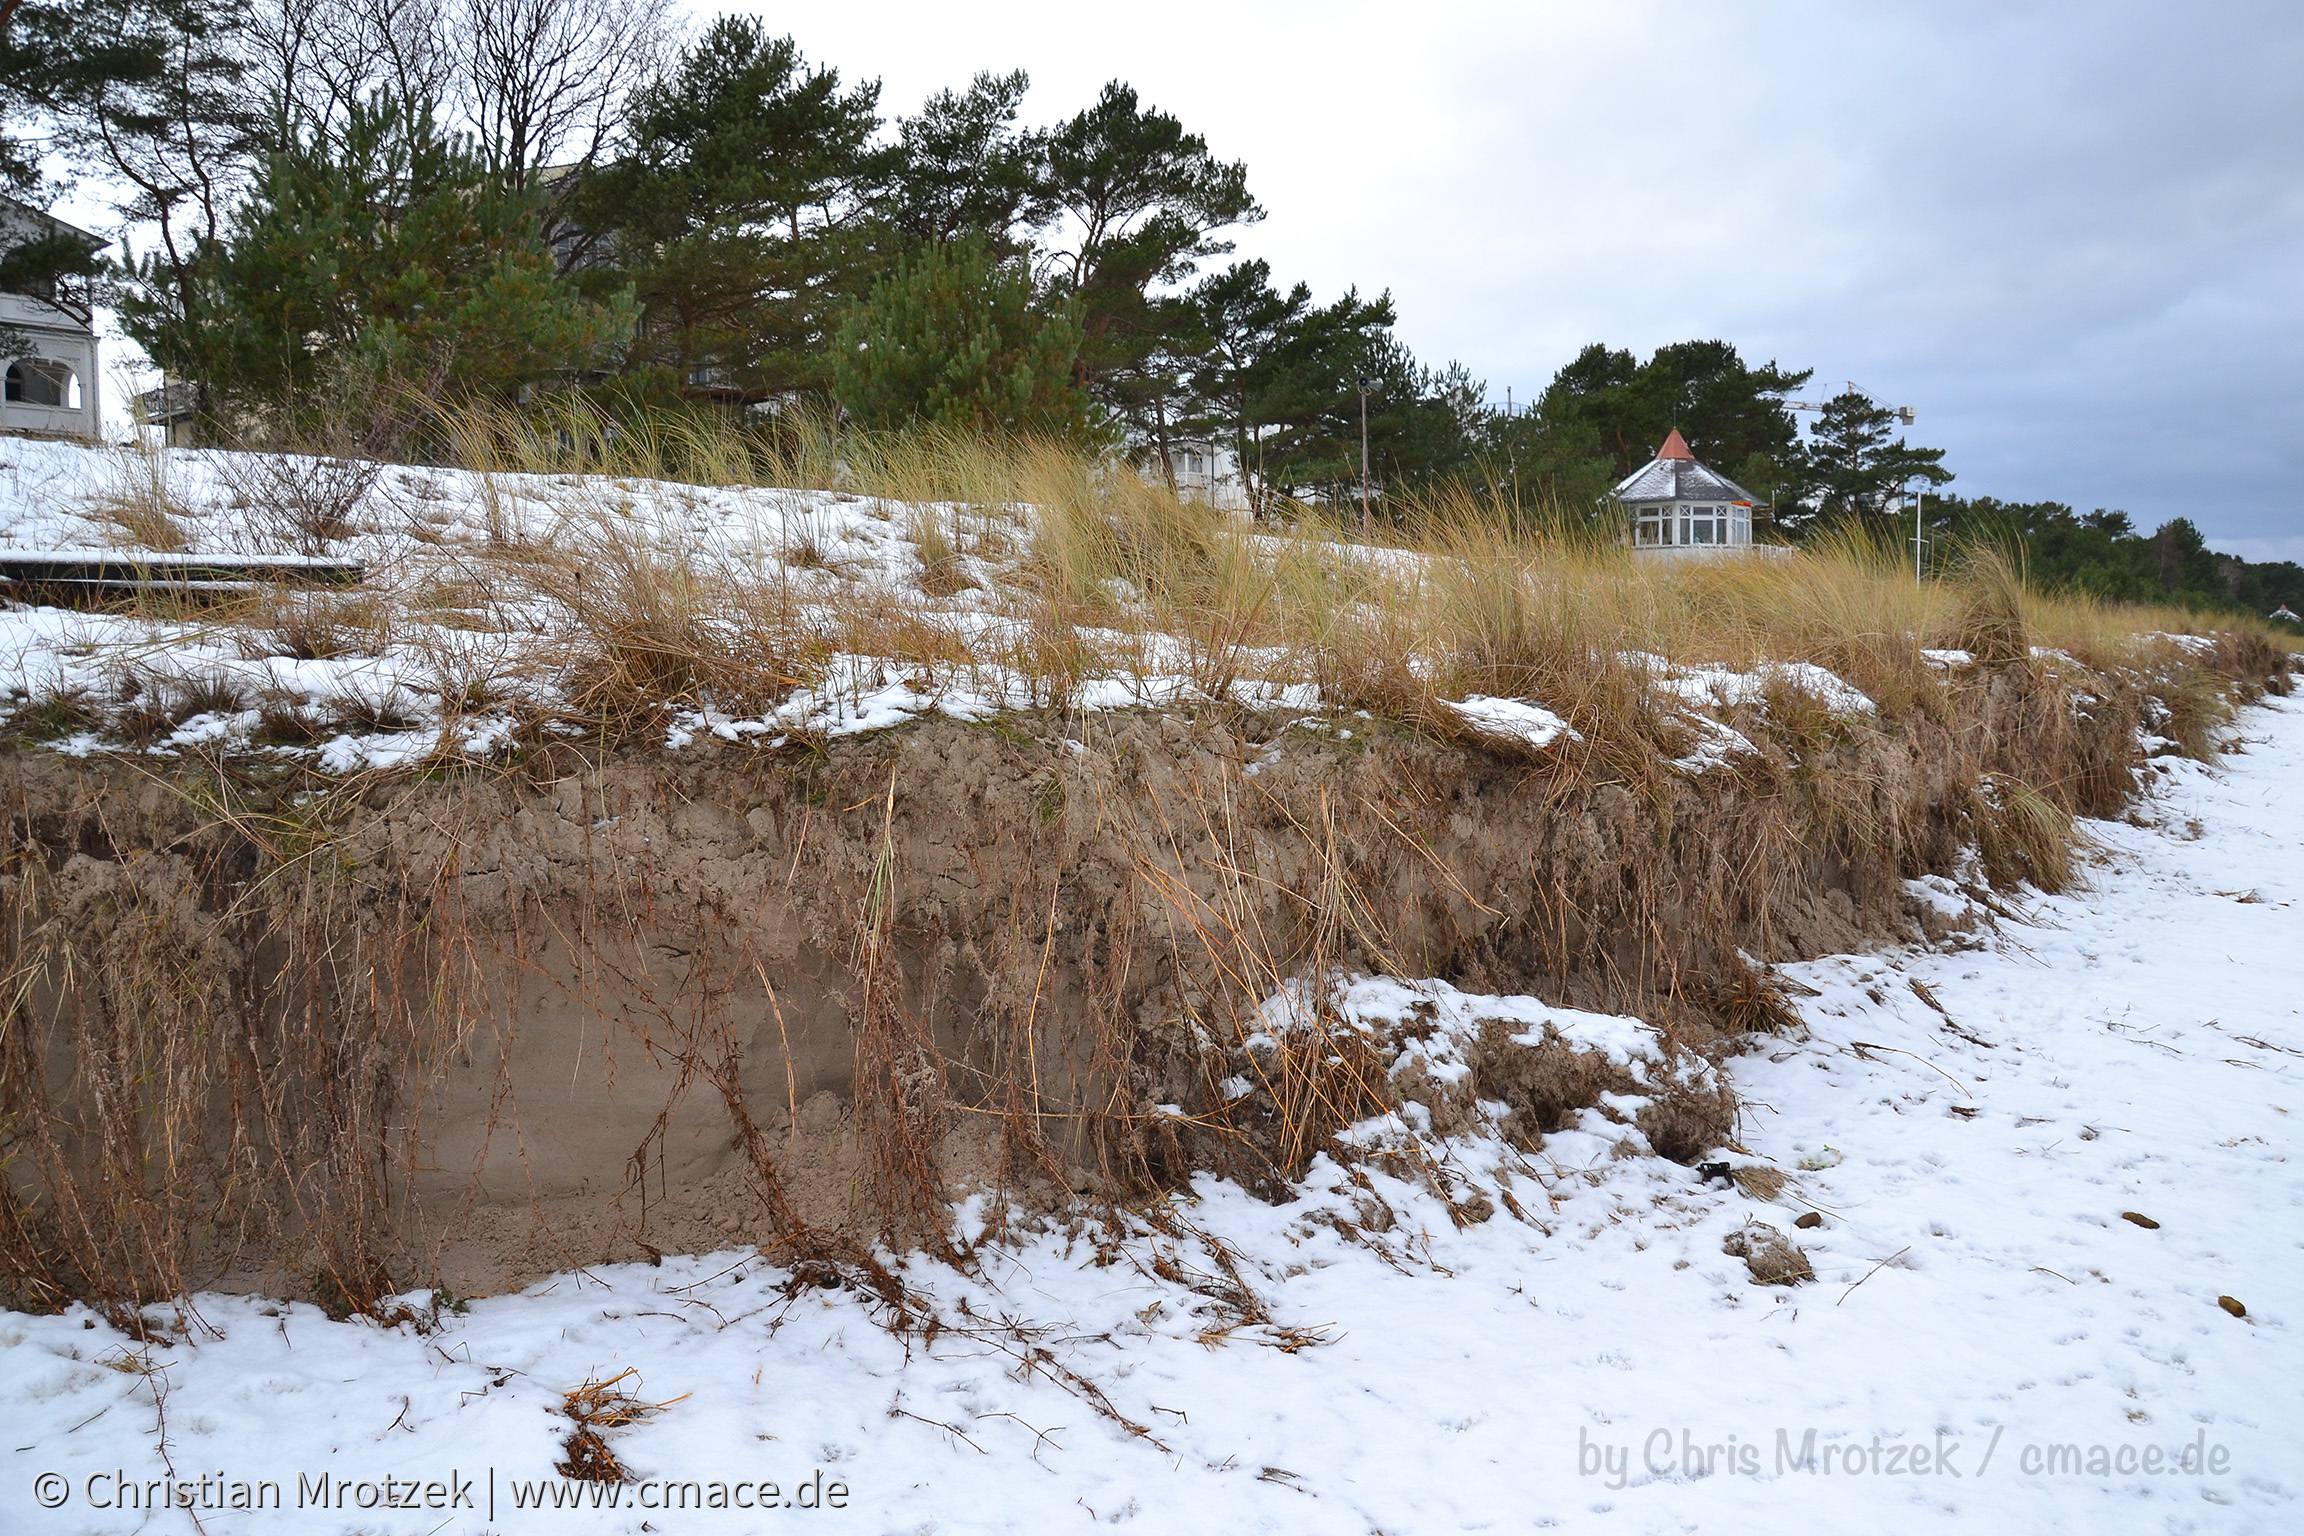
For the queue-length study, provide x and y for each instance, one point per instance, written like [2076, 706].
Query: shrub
[957, 340]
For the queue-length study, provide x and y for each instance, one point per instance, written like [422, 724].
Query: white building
[1678, 508]
[1205, 471]
[50, 381]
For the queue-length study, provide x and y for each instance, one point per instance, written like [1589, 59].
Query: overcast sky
[2071, 236]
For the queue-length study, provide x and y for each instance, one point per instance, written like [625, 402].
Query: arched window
[40, 381]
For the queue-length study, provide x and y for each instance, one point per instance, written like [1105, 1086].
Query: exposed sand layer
[473, 1027]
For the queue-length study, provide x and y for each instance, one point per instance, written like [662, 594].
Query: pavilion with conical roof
[1675, 506]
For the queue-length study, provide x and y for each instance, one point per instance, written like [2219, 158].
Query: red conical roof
[1675, 447]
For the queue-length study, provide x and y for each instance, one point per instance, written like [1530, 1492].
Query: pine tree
[956, 338]
[1238, 323]
[1850, 468]
[155, 97]
[1311, 404]
[961, 167]
[734, 215]
[387, 247]
[1729, 413]
[54, 57]
[1280, 377]
[1142, 201]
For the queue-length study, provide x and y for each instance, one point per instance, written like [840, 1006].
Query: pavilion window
[37, 381]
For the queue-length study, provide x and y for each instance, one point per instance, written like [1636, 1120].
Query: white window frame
[46, 370]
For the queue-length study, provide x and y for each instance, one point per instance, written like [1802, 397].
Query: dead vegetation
[136, 505]
[300, 503]
[237, 1004]
[1039, 570]
[593, 1408]
[237, 995]
[1106, 574]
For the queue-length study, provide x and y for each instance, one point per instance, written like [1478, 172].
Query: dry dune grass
[1041, 568]
[136, 505]
[1089, 571]
[1094, 571]
[1101, 572]
[1105, 571]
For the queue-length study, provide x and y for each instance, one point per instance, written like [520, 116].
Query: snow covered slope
[451, 639]
[1988, 1344]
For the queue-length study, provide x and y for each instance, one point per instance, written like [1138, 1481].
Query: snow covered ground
[447, 644]
[1988, 1343]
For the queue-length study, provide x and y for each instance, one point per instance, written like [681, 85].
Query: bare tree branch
[543, 80]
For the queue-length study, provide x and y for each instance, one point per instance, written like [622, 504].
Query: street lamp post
[1919, 497]
[1367, 521]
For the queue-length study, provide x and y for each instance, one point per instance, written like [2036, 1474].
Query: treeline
[348, 205]
[1603, 414]
[357, 201]
[2102, 553]
[353, 198]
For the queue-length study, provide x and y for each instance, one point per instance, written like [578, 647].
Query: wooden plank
[112, 568]
[98, 578]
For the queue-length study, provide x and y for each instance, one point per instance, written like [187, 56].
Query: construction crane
[1902, 413]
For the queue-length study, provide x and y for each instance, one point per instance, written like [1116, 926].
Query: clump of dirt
[1548, 1080]
[1773, 1258]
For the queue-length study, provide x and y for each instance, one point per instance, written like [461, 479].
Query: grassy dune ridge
[1223, 766]
[657, 578]
[1096, 570]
